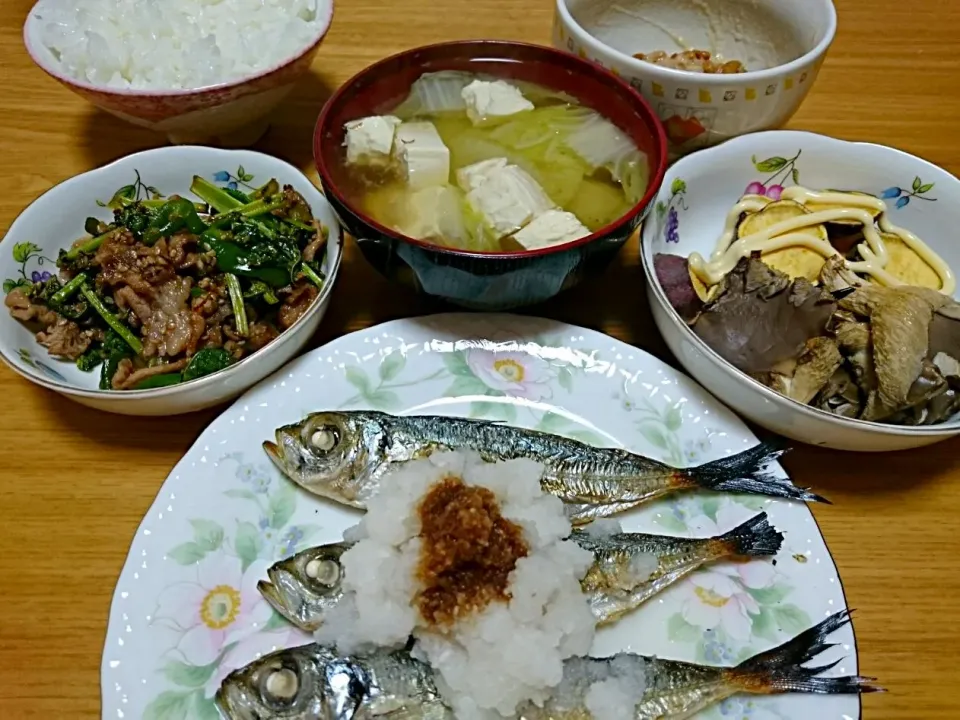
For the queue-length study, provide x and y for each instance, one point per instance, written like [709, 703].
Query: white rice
[175, 44]
[508, 653]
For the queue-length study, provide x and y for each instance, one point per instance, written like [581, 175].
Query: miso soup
[474, 162]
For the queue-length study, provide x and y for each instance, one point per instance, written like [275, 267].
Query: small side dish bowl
[471, 279]
[781, 43]
[56, 219]
[691, 210]
[230, 114]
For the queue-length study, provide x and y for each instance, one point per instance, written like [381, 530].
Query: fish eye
[325, 572]
[324, 438]
[279, 687]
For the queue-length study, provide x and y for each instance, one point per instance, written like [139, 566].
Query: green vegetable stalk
[312, 275]
[112, 320]
[215, 197]
[89, 246]
[271, 187]
[67, 291]
[236, 300]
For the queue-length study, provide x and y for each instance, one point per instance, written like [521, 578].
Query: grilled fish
[628, 569]
[304, 587]
[621, 577]
[343, 456]
[313, 682]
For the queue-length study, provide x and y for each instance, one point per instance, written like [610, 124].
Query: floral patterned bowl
[56, 219]
[478, 280]
[691, 209]
[231, 114]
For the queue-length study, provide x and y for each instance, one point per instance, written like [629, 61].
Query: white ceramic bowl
[231, 114]
[55, 220]
[702, 187]
[781, 42]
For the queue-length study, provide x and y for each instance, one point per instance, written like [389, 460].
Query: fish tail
[781, 670]
[754, 538]
[746, 473]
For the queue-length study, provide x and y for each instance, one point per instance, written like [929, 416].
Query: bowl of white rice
[199, 71]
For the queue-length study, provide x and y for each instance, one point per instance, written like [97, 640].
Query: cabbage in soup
[478, 163]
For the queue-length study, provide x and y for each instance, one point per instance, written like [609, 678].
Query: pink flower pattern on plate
[221, 608]
[515, 374]
[720, 597]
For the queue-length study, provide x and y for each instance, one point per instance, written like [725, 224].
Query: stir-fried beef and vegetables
[172, 290]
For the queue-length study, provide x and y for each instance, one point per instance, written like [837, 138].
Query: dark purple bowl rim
[646, 112]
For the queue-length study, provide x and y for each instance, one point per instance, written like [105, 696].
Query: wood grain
[74, 483]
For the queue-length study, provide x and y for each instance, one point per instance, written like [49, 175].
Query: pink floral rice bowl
[230, 114]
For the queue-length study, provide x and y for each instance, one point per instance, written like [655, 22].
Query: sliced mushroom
[816, 366]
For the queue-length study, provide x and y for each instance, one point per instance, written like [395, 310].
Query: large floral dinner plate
[186, 610]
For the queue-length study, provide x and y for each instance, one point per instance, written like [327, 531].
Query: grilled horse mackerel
[628, 569]
[313, 682]
[343, 456]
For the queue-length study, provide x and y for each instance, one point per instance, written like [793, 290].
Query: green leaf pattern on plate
[220, 619]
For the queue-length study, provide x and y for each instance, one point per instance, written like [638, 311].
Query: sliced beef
[127, 378]
[172, 327]
[214, 303]
[296, 303]
[127, 299]
[314, 247]
[123, 261]
[212, 338]
[22, 309]
[260, 334]
[65, 339]
[183, 252]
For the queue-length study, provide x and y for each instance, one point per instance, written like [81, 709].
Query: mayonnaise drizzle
[790, 233]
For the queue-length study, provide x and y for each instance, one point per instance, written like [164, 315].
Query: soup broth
[478, 163]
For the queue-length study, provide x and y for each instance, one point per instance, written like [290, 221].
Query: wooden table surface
[74, 483]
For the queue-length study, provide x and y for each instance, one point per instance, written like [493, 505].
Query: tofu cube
[423, 154]
[552, 227]
[490, 101]
[505, 196]
[473, 176]
[369, 140]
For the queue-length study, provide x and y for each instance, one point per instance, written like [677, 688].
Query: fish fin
[754, 538]
[745, 473]
[781, 670]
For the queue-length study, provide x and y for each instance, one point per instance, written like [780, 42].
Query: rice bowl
[174, 45]
[489, 660]
[229, 106]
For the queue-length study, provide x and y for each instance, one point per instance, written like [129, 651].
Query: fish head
[289, 684]
[303, 588]
[329, 454]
